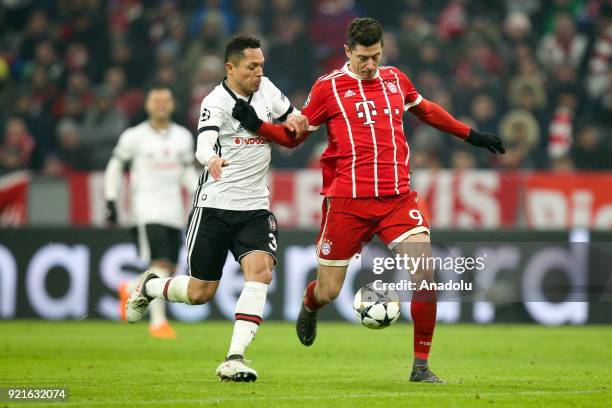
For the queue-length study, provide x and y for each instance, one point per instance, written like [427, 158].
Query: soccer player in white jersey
[231, 205]
[161, 156]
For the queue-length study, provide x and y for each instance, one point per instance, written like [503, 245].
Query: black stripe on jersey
[205, 128]
[283, 117]
[232, 94]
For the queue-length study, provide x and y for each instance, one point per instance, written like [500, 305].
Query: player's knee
[200, 294]
[263, 275]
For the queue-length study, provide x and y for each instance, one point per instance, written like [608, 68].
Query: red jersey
[367, 154]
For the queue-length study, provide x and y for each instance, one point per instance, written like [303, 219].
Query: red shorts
[349, 223]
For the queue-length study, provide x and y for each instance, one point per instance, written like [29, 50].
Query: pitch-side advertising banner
[451, 199]
[480, 277]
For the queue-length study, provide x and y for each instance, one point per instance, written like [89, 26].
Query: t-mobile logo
[367, 109]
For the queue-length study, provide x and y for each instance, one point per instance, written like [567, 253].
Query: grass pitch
[107, 364]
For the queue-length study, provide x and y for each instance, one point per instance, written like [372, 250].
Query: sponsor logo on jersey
[391, 87]
[250, 141]
[349, 93]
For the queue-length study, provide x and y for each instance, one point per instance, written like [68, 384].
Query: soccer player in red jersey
[366, 175]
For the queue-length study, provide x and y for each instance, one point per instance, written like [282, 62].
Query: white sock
[249, 310]
[157, 307]
[176, 289]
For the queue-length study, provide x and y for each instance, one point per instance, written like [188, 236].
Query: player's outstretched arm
[279, 134]
[435, 116]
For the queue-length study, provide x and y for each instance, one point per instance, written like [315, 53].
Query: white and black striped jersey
[243, 184]
[161, 163]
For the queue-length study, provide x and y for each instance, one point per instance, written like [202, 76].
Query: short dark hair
[235, 47]
[364, 31]
[159, 87]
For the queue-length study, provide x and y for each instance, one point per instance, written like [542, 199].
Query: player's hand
[296, 123]
[110, 213]
[215, 165]
[486, 140]
[246, 115]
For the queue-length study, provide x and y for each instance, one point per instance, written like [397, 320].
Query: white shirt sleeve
[189, 179]
[211, 116]
[207, 146]
[123, 152]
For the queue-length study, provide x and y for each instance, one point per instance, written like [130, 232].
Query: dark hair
[364, 31]
[159, 87]
[235, 47]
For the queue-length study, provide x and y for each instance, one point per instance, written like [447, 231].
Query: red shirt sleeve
[315, 107]
[434, 115]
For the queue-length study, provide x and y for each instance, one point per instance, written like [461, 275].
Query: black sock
[419, 362]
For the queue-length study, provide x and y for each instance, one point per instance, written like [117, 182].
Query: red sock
[309, 297]
[423, 310]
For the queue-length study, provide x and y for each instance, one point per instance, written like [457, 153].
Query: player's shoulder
[391, 71]
[181, 130]
[136, 130]
[326, 79]
[218, 98]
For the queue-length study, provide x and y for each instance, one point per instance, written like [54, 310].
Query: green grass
[106, 364]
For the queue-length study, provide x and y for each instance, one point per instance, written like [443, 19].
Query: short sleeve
[126, 147]
[281, 106]
[188, 153]
[411, 95]
[211, 116]
[315, 107]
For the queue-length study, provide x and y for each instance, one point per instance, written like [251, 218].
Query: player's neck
[235, 89]
[354, 73]
[159, 125]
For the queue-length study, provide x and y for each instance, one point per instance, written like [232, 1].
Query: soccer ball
[376, 309]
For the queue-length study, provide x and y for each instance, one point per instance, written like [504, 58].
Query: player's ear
[229, 67]
[347, 51]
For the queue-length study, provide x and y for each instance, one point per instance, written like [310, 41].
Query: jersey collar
[232, 94]
[350, 73]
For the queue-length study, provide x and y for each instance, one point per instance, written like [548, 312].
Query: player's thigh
[164, 243]
[344, 230]
[402, 221]
[255, 241]
[257, 266]
[207, 242]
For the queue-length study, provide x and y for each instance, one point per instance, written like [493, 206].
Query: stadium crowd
[73, 73]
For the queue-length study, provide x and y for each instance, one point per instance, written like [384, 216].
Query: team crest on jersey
[391, 87]
[326, 247]
[205, 114]
[272, 222]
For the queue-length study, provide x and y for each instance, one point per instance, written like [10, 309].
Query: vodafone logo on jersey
[250, 141]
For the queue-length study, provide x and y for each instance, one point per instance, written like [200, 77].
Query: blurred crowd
[74, 73]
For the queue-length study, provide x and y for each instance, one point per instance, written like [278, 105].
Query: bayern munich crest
[391, 87]
[326, 247]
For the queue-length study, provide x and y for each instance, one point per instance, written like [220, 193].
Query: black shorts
[158, 242]
[211, 232]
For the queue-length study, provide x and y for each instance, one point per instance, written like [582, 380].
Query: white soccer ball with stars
[376, 309]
